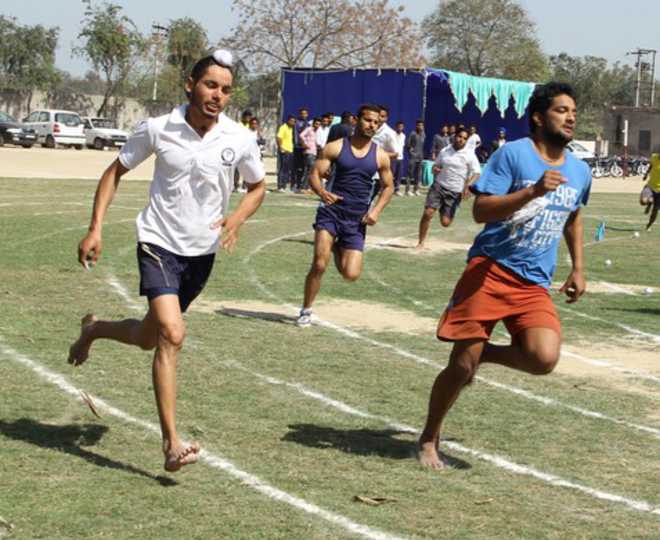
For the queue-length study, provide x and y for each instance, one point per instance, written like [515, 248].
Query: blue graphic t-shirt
[530, 248]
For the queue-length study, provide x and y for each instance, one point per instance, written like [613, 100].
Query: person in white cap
[198, 149]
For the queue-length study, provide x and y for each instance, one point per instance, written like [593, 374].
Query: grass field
[296, 423]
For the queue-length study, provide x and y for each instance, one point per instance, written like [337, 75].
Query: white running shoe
[304, 319]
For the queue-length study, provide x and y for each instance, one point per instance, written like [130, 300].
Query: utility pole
[642, 68]
[158, 32]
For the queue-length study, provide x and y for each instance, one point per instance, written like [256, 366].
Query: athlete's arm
[575, 285]
[249, 204]
[386, 188]
[321, 167]
[89, 249]
[492, 208]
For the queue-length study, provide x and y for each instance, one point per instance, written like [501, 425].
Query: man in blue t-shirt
[529, 196]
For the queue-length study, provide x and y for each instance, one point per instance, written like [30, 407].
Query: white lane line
[20, 243]
[493, 459]
[112, 280]
[45, 203]
[212, 460]
[425, 361]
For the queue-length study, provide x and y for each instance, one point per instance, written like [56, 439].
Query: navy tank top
[354, 179]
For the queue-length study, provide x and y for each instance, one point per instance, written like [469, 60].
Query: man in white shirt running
[198, 149]
[456, 167]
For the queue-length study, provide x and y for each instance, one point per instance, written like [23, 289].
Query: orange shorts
[487, 293]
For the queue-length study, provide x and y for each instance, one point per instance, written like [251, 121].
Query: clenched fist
[550, 181]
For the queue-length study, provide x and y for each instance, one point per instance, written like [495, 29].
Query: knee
[428, 214]
[463, 370]
[172, 334]
[318, 266]
[543, 359]
[445, 221]
[350, 275]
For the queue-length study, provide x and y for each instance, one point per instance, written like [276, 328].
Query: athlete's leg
[533, 350]
[349, 263]
[171, 333]
[323, 244]
[141, 333]
[652, 217]
[463, 364]
[424, 224]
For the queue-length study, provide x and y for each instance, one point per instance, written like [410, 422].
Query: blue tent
[437, 96]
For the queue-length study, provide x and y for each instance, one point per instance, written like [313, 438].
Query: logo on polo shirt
[228, 156]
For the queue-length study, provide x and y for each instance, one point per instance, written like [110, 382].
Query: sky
[606, 28]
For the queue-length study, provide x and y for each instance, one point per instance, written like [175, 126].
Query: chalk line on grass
[211, 459]
[493, 459]
[425, 361]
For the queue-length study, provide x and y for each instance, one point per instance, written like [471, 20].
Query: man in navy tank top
[346, 203]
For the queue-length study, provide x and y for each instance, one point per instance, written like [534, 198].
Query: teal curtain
[482, 88]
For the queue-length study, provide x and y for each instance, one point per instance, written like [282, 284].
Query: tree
[491, 38]
[187, 42]
[27, 58]
[323, 34]
[596, 86]
[112, 44]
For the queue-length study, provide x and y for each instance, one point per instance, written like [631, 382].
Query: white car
[102, 132]
[56, 127]
[580, 151]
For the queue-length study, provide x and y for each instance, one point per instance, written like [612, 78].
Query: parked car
[57, 127]
[580, 151]
[13, 132]
[102, 132]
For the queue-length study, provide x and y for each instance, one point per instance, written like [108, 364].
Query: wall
[639, 119]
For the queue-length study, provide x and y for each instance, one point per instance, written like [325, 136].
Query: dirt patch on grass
[370, 316]
[607, 287]
[627, 369]
[433, 246]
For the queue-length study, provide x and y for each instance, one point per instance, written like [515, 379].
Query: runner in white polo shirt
[197, 150]
[456, 167]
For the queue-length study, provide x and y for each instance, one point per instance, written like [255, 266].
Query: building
[643, 129]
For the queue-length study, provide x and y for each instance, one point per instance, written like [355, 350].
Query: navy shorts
[347, 228]
[164, 272]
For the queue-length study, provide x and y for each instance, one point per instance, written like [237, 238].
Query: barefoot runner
[529, 194]
[345, 210]
[197, 150]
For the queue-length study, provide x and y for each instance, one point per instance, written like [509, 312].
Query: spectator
[397, 164]
[440, 140]
[308, 138]
[474, 141]
[323, 131]
[301, 124]
[285, 153]
[415, 148]
[246, 115]
[452, 133]
[255, 128]
[343, 129]
[500, 141]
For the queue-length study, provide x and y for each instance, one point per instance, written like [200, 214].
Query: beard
[557, 138]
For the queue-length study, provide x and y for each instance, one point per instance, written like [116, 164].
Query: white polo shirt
[385, 137]
[400, 144]
[193, 178]
[456, 168]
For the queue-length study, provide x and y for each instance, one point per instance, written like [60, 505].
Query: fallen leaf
[88, 401]
[373, 501]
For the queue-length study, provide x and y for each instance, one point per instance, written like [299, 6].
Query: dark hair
[398, 122]
[199, 69]
[462, 130]
[384, 108]
[247, 112]
[289, 117]
[316, 119]
[328, 115]
[303, 109]
[346, 115]
[542, 98]
[419, 121]
[367, 107]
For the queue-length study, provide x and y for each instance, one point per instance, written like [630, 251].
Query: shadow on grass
[70, 439]
[263, 315]
[363, 442]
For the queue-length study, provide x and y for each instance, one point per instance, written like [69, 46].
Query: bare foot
[419, 247]
[79, 351]
[177, 455]
[428, 456]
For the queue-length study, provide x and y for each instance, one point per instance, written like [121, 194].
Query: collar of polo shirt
[224, 125]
